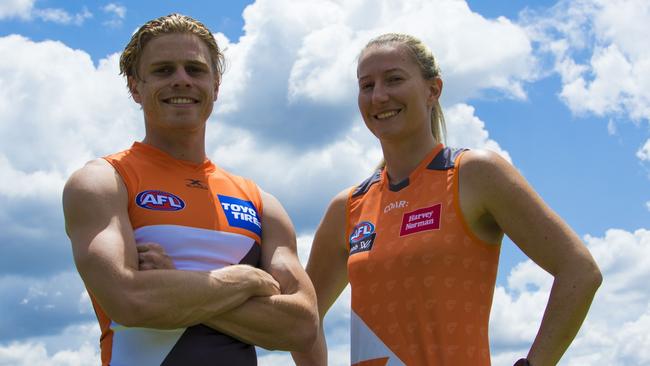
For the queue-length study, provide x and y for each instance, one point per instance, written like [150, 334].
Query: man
[166, 242]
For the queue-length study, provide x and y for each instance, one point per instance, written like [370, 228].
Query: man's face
[177, 86]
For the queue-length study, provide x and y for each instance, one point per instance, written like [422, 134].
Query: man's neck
[190, 147]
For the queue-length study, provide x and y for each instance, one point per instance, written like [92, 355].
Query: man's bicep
[98, 227]
[279, 257]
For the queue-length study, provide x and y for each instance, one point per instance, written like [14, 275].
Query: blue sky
[559, 88]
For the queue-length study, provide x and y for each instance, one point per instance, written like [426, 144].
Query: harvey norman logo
[241, 214]
[423, 219]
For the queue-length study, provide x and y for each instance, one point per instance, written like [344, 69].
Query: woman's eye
[366, 86]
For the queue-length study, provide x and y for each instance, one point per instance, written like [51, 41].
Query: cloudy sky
[561, 89]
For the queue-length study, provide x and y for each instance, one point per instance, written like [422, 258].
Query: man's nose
[181, 78]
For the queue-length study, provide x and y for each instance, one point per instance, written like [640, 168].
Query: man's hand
[265, 284]
[153, 256]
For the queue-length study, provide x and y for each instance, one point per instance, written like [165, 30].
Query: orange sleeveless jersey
[205, 219]
[422, 283]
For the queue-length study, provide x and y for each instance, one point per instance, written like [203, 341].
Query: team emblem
[159, 201]
[362, 237]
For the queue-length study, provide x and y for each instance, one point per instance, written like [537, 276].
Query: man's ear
[132, 83]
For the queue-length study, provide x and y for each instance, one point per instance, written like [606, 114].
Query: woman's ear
[435, 89]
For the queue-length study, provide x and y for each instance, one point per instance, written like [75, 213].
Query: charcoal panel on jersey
[365, 185]
[399, 186]
[445, 159]
[202, 346]
[252, 258]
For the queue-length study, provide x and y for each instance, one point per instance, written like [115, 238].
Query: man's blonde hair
[172, 23]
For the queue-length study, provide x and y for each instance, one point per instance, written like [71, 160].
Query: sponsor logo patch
[422, 219]
[397, 204]
[362, 238]
[159, 201]
[241, 214]
[195, 183]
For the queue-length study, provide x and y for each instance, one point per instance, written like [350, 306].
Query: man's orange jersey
[422, 283]
[205, 219]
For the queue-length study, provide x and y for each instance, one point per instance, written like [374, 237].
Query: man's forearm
[279, 322]
[316, 355]
[167, 299]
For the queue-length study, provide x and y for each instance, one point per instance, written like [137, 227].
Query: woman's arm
[327, 268]
[494, 195]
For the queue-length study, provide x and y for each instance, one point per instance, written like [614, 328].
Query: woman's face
[395, 101]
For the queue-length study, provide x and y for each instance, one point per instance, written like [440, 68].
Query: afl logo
[159, 201]
[363, 230]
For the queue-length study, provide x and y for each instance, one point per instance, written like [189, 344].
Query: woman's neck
[403, 157]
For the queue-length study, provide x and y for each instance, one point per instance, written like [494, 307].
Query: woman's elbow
[595, 276]
[588, 275]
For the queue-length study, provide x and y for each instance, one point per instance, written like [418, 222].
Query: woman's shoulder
[483, 161]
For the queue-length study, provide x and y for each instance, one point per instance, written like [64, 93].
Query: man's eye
[163, 70]
[394, 79]
[194, 70]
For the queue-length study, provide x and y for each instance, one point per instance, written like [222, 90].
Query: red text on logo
[422, 219]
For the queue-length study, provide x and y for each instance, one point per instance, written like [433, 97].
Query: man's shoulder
[95, 177]
[237, 179]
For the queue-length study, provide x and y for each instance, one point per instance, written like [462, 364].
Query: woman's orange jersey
[422, 283]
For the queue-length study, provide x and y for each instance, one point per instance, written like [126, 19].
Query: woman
[419, 240]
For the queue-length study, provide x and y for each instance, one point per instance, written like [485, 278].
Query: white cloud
[613, 79]
[293, 72]
[611, 127]
[117, 13]
[41, 305]
[74, 346]
[56, 116]
[466, 129]
[61, 16]
[25, 10]
[68, 108]
[644, 152]
[16, 8]
[118, 10]
[615, 331]
[43, 184]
